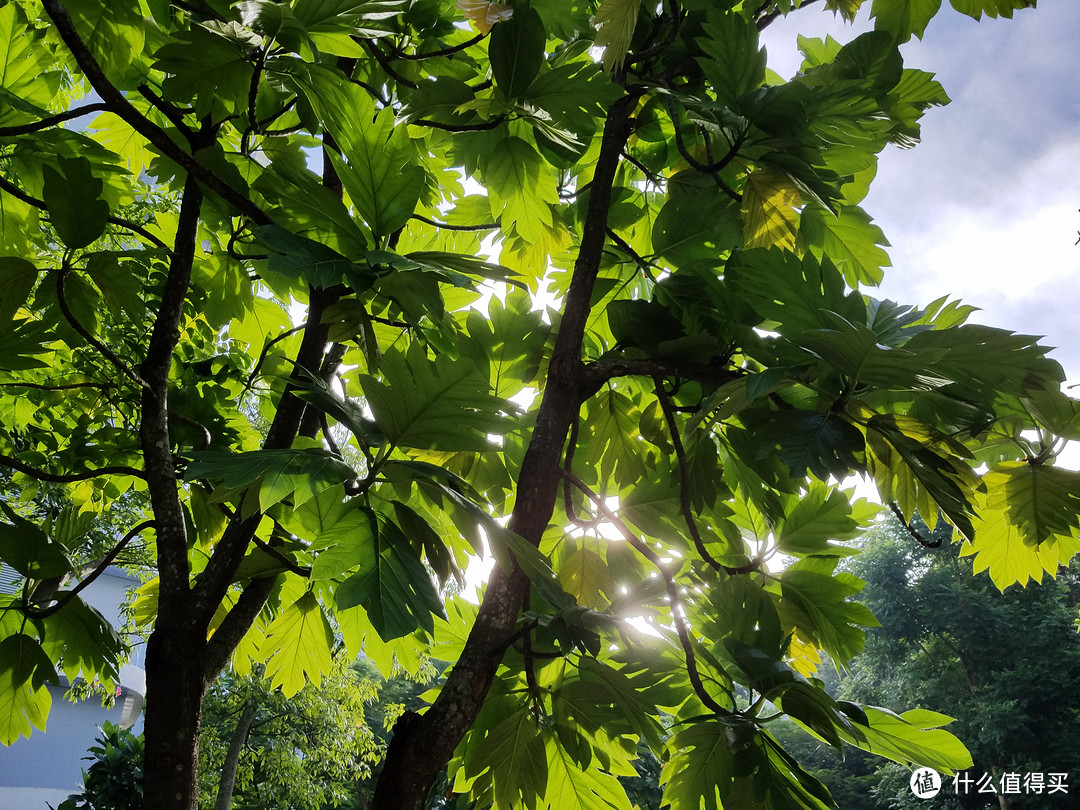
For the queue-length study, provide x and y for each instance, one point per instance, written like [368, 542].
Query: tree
[1006, 664]
[247, 287]
[260, 749]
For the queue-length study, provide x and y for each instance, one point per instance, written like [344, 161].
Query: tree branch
[492, 124]
[487, 226]
[68, 478]
[684, 478]
[712, 169]
[104, 350]
[915, 535]
[568, 470]
[169, 111]
[106, 561]
[673, 593]
[599, 372]
[134, 227]
[448, 51]
[119, 105]
[154, 425]
[52, 120]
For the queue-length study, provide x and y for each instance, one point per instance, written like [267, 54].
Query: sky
[985, 209]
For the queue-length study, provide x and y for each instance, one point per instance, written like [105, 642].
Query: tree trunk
[174, 688]
[232, 757]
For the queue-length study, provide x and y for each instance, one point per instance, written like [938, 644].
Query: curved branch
[568, 470]
[492, 124]
[384, 63]
[169, 111]
[86, 581]
[672, 589]
[69, 478]
[684, 478]
[262, 356]
[487, 226]
[105, 351]
[419, 57]
[118, 104]
[599, 372]
[673, 34]
[639, 260]
[52, 120]
[704, 168]
[134, 227]
[300, 570]
[915, 535]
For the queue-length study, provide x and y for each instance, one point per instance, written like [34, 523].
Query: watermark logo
[925, 783]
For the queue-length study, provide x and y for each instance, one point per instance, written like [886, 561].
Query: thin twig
[134, 227]
[914, 533]
[492, 124]
[568, 467]
[712, 169]
[487, 226]
[448, 51]
[684, 477]
[69, 478]
[52, 120]
[105, 351]
[262, 356]
[106, 561]
[169, 111]
[300, 570]
[672, 589]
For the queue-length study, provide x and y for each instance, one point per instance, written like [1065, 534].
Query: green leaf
[792, 294]
[822, 514]
[702, 769]
[1027, 522]
[83, 642]
[736, 65]
[912, 738]
[521, 186]
[28, 549]
[17, 279]
[24, 699]
[815, 599]
[616, 20]
[514, 753]
[208, 64]
[944, 478]
[569, 785]
[382, 176]
[297, 646]
[273, 475]
[24, 69]
[902, 18]
[440, 405]
[770, 208]
[300, 258]
[516, 51]
[584, 575]
[822, 443]
[73, 197]
[991, 8]
[849, 239]
[392, 586]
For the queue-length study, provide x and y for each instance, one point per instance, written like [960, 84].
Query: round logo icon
[925, 783]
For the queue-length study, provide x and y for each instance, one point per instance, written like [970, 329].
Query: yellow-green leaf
[770, 210]
[297, 646]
